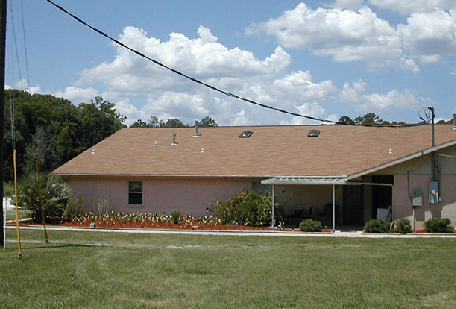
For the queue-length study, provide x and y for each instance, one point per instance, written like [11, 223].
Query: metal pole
[2, 96]
[273, 202]
[434, 169]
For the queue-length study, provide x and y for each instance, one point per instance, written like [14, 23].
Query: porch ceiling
[323, 180]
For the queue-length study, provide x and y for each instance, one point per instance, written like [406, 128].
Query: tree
[154, 122]
[207, 122]
[175, 123]
[52, 130]
[139, 124]
[367, 119]
[346, 120]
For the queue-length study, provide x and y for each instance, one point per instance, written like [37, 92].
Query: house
[350, 174]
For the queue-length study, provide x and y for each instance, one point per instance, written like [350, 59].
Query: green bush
[72, 209]
[309, 225]
[8, 189]
[377, 226]
[439, 226]
[175, 214]
[402, 226]
[55, 194]
[245, 208]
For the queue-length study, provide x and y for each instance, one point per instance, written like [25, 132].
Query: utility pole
[2, 99]
[434, 161]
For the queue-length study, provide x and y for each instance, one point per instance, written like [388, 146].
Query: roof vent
[245, 134]
[313, 133]
[454, 122]
[196, 130]
[174, 143]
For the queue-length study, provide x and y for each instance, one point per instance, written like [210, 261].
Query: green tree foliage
[207, 122]
[53, 130]
[154, 122]
[367, 119]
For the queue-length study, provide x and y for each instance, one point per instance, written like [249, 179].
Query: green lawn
[23, 214]
[91, 269]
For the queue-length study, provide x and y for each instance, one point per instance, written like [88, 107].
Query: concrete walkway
[268, 233]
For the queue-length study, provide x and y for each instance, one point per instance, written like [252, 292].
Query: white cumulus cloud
[414, 6]
[430, 34]
[77, 95]
[357, 95]
[346, 35]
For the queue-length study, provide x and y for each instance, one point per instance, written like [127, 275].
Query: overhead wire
[13, 29]
[25, 45]
[226, 93]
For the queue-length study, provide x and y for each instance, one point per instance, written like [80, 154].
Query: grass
[93, 269]
[23, 214]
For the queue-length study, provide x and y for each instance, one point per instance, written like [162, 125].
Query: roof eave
[401, 160]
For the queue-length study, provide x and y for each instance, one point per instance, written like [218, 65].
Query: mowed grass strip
[114, 270]
[23, 214]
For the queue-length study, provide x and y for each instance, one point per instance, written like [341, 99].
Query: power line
[229, 94]
[25, 45]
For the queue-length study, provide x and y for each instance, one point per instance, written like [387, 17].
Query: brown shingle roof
[270, 151]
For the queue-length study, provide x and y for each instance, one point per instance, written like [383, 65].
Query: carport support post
[272, 213]
[334, 208]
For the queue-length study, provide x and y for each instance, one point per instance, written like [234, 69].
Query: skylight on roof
[313, 133]
[245, 134]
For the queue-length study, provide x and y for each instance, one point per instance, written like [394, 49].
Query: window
[135, 195]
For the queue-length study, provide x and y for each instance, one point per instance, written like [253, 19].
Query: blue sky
[321, 59]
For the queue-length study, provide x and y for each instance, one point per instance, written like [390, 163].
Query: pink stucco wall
[189, 195]
[402, 206]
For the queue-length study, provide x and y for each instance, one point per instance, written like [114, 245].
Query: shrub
[176, 216]
[55, 194]
[402, 226]
[245, 208]
[309, 225]
[377, 226]
[104, 206]
[439, 226]
[72, 209]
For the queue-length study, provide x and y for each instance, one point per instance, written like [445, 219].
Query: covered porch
[335, 201]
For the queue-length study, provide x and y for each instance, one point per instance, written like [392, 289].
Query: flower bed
[161, 225]
[149, 220]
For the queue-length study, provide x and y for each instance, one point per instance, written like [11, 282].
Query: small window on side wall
[135, 193]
